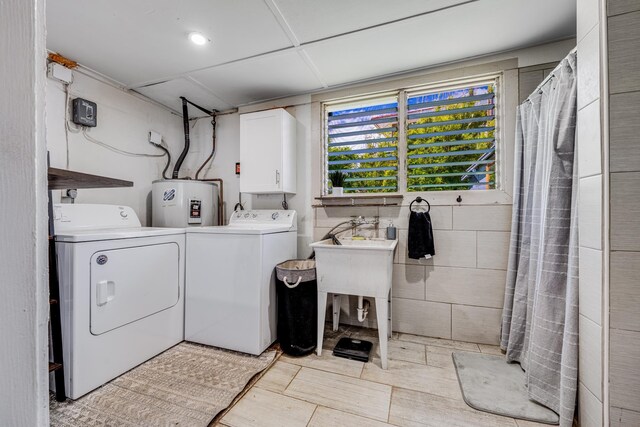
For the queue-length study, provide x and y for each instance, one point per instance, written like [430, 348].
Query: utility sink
[355, 267]
[362, 267]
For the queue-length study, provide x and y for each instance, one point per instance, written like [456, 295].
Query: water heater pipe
[185, 150]
[185, 123]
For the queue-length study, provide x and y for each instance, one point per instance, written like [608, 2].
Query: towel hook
[420, 200]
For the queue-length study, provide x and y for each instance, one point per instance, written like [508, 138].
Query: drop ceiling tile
[141, 41]
[260, 79]
[314, 20]
[453, 34]
[168, 93]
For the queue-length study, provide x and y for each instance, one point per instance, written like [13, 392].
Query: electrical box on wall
[60, 73]
[85, 113]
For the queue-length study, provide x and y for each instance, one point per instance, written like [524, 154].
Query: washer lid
[116, 233]
[264, 218]
[240, 229]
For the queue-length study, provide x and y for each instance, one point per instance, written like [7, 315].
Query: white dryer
[230, 285]
[121, 292]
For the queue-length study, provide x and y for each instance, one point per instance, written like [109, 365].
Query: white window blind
[362, 142]
[451, 142]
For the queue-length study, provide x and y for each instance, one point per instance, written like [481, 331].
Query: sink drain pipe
[363, 308]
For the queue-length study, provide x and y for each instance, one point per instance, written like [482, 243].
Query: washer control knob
[246, 215]
[253, 215]
[275, 215]
[123, 214]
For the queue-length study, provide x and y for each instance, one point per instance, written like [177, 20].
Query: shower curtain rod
[551, 74]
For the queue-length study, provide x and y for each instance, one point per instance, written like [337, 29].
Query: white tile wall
[590, 408]
[493, 249]
[590, 287]
[476, 324]
[589, 140]
[467, 270]
[469, 286]
[441, 217]
[453, 248]
[427, 318]
[497, 218]
[589, 68]
[590, 208]
[590, 356]
[624, 290]
[409, 281]
[331, 216]
[588, 16]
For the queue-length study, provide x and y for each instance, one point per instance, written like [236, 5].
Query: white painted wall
[124, 121]
[23, 248]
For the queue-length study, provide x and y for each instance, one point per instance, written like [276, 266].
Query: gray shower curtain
[540, 316]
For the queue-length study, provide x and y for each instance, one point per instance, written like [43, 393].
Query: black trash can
[297, 291]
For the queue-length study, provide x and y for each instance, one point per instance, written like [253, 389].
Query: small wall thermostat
[85, 112]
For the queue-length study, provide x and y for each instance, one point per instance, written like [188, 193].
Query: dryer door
[131, 283]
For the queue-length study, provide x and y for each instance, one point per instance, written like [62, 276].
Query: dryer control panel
[264, 217]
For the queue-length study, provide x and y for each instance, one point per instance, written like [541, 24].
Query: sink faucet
[359, 220]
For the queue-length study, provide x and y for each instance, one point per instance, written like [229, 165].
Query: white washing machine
[230, 285]
[121, 291]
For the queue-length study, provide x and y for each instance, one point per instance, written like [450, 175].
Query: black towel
[420, 240]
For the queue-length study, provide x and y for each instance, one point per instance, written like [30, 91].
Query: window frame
[501, 194]
[325, 136]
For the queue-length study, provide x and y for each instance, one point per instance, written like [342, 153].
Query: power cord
[118, 150]
[166, 167]
[239, 204]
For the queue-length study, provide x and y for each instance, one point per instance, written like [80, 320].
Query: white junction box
[59, 72]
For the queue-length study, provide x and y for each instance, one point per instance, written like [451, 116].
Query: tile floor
[420, 388]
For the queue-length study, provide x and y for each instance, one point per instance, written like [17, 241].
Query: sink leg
[390, 314]
[382, 311]
[336, 312]
[322, 310]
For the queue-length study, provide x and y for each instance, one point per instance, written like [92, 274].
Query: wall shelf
[359, 200]
[62, 179]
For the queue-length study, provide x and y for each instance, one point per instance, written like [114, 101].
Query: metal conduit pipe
[185, 123]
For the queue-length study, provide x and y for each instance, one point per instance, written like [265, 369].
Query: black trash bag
[297, 291]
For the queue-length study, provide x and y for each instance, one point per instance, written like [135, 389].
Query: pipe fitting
[363, 308]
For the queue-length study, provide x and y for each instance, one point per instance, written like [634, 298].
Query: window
[362, 143]
[443, 139]
[451, 140]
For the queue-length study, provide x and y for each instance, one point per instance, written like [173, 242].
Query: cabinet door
[261, 152]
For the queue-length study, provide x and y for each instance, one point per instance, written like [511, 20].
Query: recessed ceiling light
[198, 38]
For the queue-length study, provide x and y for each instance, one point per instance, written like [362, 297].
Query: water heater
[184, 203]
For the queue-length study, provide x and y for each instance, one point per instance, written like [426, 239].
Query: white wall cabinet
[268, 152]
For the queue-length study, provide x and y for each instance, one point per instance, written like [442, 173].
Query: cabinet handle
[277, 176]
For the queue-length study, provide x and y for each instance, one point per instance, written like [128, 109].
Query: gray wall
[623, 24]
